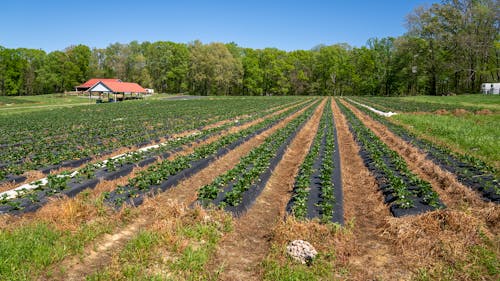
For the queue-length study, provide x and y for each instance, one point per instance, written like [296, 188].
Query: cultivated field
[215, 189]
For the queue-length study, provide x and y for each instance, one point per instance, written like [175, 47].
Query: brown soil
[441, 112]
[373, 257]
[101, 252]
[484, 112]
[240, 252]
[460, 112]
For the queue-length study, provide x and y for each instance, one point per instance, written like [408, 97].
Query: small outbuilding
[119, 89]
[490, 88]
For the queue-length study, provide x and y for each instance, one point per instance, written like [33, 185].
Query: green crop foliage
[250, 167]
[50, 137]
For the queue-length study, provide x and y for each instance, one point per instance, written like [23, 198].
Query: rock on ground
[301, 251]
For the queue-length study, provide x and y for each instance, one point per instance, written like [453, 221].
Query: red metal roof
[121, 87]
[94, 81]
[124, 87]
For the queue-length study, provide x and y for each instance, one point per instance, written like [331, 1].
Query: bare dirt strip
[374, 256]
[98, 255]
[453, 194]
[241, 251]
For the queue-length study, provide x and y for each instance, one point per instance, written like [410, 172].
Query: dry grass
[434, 236]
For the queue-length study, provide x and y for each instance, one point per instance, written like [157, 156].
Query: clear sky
[54, 25]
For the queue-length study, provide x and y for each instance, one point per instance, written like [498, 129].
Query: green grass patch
[29, 250]
[178, 253]
[480, 101]
[481, 263]
[25, 104]
[51, 99]
[475, 135]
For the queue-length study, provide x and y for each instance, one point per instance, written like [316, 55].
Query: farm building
[115, 87]
[490, 88]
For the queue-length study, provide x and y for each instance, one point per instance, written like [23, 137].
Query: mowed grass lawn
[471, 134]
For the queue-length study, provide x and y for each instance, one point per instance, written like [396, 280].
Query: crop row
[237, 189]
[317, 190]
[50, 138]
[70, 183]
[406, 193]
[165, 174]
[469, 170]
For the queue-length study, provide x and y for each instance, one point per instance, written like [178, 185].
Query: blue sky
[53, 25]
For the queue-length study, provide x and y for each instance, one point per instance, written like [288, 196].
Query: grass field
[216, 188]
[491, 102]
[476, 135]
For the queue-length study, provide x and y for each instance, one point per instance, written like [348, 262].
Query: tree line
[453, 47]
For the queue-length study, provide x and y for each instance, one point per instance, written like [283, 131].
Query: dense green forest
[450, 47]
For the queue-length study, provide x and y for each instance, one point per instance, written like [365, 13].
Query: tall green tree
[213, 70]
[167, 64]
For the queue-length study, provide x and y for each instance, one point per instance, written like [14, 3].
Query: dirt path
[453, 194]
[76, 267]
[374, 257]
[98, 255]
[241, 251]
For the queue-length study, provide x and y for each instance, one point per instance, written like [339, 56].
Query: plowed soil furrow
[374, 257]
[453, 194]
[241, 251]
[100, 254]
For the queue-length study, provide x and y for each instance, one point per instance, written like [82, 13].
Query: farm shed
[118, 89]
[490, 88]
[113, 86]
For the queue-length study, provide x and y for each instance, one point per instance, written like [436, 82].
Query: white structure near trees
[490, 88]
